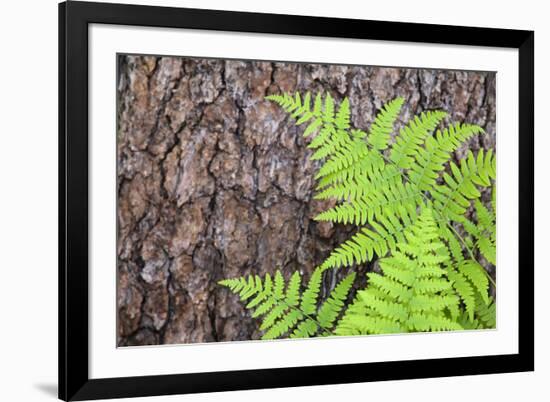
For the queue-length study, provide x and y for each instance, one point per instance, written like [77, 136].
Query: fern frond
[413, 292]
[484, 316]
[358, 322]
[361, 185]
[331, 123]
[408, 143]
[332, 307]
[470, 280]
[486, 242]
[380, 237]
[356, 151]
[382, 126]
[373, 204]
[463, 287]
[454, 246]
[477, 277]
[429, 160]
[453, 198]
[487, 314]
[364, 163]
[284, 309]
[350, 156]
[342, 119]
[484, 232]
[331, 141]
[309, 297]
[357, 160]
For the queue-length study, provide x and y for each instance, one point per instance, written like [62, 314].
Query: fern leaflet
[413, 294]
[288, 312]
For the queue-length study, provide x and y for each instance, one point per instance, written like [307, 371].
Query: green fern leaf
[372, 205]
[464, 289]
[484, 316]
[429, 160]
[477, 277]
[487, 314]
[412, 136]
[310, 295]
[453, 198]
[413, 292]
[293, 290]
[334, 304]
[380, 238]
[382, 126]
[288, 312]
[343, 116]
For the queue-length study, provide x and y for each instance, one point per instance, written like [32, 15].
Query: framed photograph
[257, 200]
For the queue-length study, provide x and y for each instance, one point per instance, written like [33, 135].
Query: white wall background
[28, 198]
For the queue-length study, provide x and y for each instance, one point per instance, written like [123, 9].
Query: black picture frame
[74, 18]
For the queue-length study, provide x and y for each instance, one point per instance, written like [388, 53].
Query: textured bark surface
[216, 182]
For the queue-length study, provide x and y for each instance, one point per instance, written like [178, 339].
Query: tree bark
[215, 182]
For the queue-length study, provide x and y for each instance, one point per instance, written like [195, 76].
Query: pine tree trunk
[215, 182]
